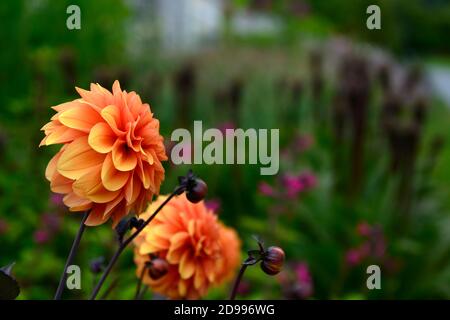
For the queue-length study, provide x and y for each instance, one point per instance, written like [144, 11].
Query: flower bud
[97, 265]
[157, 268]
[273, 260]
[197, 191]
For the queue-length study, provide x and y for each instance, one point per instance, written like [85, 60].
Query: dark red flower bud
[197, 191]
[273, 260]
[157, 268]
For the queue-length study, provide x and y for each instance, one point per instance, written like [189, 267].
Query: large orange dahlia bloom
[200, 250]
[110, 161]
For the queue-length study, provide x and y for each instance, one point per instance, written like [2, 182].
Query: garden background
[364, 132]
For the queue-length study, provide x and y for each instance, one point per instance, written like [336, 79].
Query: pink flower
[303, 142]
[51, 221]
[213, 205]
[4, 226]
[304, 280]
[243, 288]
[308, 179]
[353, 257]
[41, 236]
[57, 199]
[363, 229]
[226, 125]
[293, 185]
[266, 189]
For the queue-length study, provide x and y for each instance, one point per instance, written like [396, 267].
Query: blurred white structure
[177, 25]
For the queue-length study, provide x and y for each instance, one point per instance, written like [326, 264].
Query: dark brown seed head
[197, 191]
[157, 268]
[273, 260]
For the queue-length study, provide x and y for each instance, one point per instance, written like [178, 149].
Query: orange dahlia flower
[200, 251]
[110, 161]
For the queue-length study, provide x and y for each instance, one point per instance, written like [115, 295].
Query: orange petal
[95, 217]
[133, 189]
[178, 240]
[90, 186]
[143, 170]
[112, 178]
[111, 114]
[76, 203]
[51, 166]
[124, 158]
[61, 134]
[92, 97]
[187, 265]
[78, 159]
[102, 138]
[82, 118]
[60, 184]
[200, 278]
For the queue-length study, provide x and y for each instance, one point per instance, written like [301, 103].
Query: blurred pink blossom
[363, 229]
[41, 236]
[292, 184]
[226, 125]
[303, 142]
[266, 189]
[308, 179]
[57, 199]
[213, 205]
[353, 257]
[304, 279]
[4, 226]
[51, 221]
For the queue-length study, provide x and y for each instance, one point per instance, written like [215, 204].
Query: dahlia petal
[133, 189]
[78, 159]
[116, 88]
[91, 97]
[112, 178]
[143, 170]
[118, 213]
[200, 278]
[147, 248]
[81, 118]
[60, 184]
[90, 186]
[187, 265]
[102, 138]
[111, 114]
[182, 287]
[61, 134]
[51, 166]
[178, 240]
[174, 256]
[112, 205]
[124, 158]
[95, 217]
[156, 240]
[76, 203]
[209, 269]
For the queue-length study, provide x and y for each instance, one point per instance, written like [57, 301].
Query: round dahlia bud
[157, 268]
[273, 260]
[197, 191]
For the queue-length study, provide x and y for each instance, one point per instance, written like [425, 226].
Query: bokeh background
[364, 132]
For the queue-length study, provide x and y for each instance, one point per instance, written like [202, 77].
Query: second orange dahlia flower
[199, 250]
[110, 161]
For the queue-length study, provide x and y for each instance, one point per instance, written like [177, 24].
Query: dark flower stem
[110, 289]
[139, 284]
[126, 242]
[237, 281]
[72, 253]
